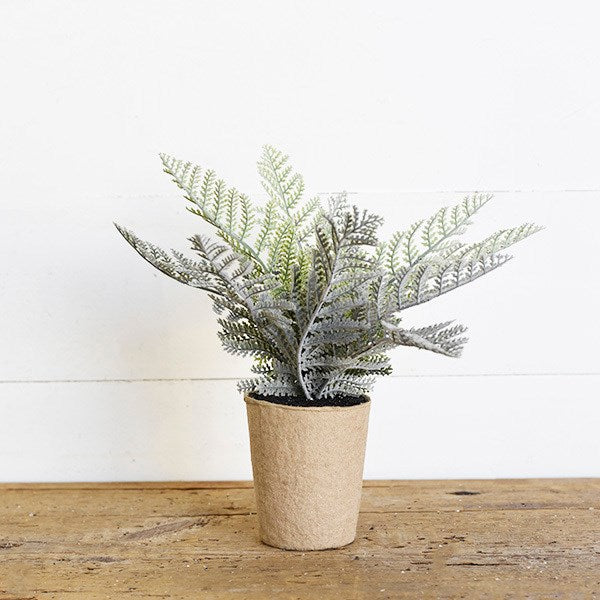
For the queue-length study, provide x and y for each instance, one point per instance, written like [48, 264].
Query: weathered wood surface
[419, 539]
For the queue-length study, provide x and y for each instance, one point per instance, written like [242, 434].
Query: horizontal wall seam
[147, 196]
[192, 379]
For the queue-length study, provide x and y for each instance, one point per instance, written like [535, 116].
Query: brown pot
[307, 465]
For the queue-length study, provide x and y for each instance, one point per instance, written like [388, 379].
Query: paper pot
[308, 466]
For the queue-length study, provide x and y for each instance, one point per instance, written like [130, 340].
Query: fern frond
[269, 219]
[279, 386]
[305, 219]
[429, 236]
[432, 281]
[347, 384]
[175, 265]
[497, 242]
[213, 202]
[282, 255]
[448, 341]
[247, 217]
[283, 186]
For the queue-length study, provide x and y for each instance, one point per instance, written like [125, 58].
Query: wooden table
[416, 539]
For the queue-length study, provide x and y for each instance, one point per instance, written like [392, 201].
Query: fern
[215, 203]
[308, 290]
[283, 186]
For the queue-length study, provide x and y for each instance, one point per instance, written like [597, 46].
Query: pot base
[333, 546]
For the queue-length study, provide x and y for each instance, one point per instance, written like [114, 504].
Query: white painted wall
[109, 371]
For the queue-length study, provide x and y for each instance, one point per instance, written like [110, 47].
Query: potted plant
[310, 293]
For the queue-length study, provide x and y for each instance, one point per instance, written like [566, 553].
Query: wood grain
[419, 539]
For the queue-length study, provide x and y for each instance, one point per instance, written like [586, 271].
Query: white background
[110, 371]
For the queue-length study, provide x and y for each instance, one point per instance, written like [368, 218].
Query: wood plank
[138, 485]
[505, 539]
[208, 498]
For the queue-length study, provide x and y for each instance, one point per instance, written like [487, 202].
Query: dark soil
[301, 401]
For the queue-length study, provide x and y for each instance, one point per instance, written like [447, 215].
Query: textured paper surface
[308, 466]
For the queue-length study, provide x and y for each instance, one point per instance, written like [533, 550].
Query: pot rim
[250, 400]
